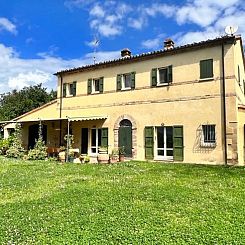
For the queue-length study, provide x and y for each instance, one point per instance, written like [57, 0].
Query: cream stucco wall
[188, 101]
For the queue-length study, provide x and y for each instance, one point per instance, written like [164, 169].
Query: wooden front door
[125, 137]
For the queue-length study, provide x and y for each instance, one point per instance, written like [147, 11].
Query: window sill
[208, 145]
[162, 84]
[125, 89]
[96, 92]
[206, 79]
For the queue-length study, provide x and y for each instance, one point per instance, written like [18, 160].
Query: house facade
[181, 103]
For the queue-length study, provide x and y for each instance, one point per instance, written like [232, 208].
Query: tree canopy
[16, 103]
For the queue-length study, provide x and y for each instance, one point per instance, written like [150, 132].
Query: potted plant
[62, 154]
[121, 153]
[103, 156]
[114, 156]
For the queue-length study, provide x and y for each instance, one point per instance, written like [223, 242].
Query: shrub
[39, 152]
[5, 144]
[16, 149]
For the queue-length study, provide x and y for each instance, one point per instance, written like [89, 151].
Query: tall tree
[15, 103]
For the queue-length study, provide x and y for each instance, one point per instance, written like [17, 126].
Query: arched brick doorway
[123, 126]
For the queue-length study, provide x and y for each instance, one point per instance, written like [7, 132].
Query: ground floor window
[164, 142]
[95, 140]
[208, 135]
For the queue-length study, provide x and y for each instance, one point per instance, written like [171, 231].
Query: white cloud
[7, 25]
[108, 30]
[16, 72]
[203, 16]
[97, 11]
[136, 23]
[154, 43]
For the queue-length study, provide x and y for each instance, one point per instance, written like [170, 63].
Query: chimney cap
[168, 44]
[125, 53]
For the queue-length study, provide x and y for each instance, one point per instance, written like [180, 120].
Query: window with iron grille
[208, 135]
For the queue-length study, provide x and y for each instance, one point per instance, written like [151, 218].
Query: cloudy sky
[40, 37]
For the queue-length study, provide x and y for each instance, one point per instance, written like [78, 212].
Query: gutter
[224, 104]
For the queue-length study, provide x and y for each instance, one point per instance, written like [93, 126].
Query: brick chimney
[125, 53]
[168, 44]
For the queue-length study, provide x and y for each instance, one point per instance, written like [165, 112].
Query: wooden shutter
[206, 68]
[154, 77]
[132, 80]
[89, 86]
[64, 89]
[170, 74]
[149, 143]
[104, 137]
[119, 82]
[74, 88]
[178, 141]
[101, 87]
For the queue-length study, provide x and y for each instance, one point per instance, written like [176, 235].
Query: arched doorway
[33, 135]
[125, 137]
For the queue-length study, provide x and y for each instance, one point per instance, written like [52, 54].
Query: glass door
[164, 142]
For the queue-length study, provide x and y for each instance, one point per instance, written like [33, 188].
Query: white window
[126, 81]
[96, 86]
[162, 76]
[164, 143]
[208, 136]
[95, 140]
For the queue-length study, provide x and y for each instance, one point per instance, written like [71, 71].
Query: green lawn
[126, 203]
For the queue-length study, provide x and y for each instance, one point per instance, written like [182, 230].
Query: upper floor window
[161, 76]
[126, 81]
[206, 69]
[208, 135]
[69, 89]
[95, 85]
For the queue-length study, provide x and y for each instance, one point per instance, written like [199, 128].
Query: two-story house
[181, 103]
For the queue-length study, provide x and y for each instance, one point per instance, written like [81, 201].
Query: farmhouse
[182, 103]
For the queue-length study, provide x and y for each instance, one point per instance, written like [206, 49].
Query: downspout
[224, 104]
[68, 139]
[61, 86]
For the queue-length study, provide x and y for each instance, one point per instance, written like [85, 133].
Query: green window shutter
[178, 141]
[149, 143]
[154, 77]
[64, 89]
[74, 88]
[104, 137]
[101, 85]
[132, 80]
[170, 74]
[89, 86]
[206, 68]
[119, 82]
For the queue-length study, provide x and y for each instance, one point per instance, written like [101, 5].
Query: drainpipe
[61, 86]
[224, 104]
[68, 139]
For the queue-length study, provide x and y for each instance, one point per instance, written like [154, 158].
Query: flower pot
[103, 158]
[114, 159]
[62, 156]
[121, 158]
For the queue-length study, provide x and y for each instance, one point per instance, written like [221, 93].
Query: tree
[16, 103]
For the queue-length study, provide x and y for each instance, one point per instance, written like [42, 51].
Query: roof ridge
[137, 56]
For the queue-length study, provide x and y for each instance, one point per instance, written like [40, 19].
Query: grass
[126, 203]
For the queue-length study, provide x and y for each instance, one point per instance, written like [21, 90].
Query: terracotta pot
[114, 159]
[103, 158]
[121, 158]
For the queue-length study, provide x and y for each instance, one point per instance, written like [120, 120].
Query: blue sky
[38, 38]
